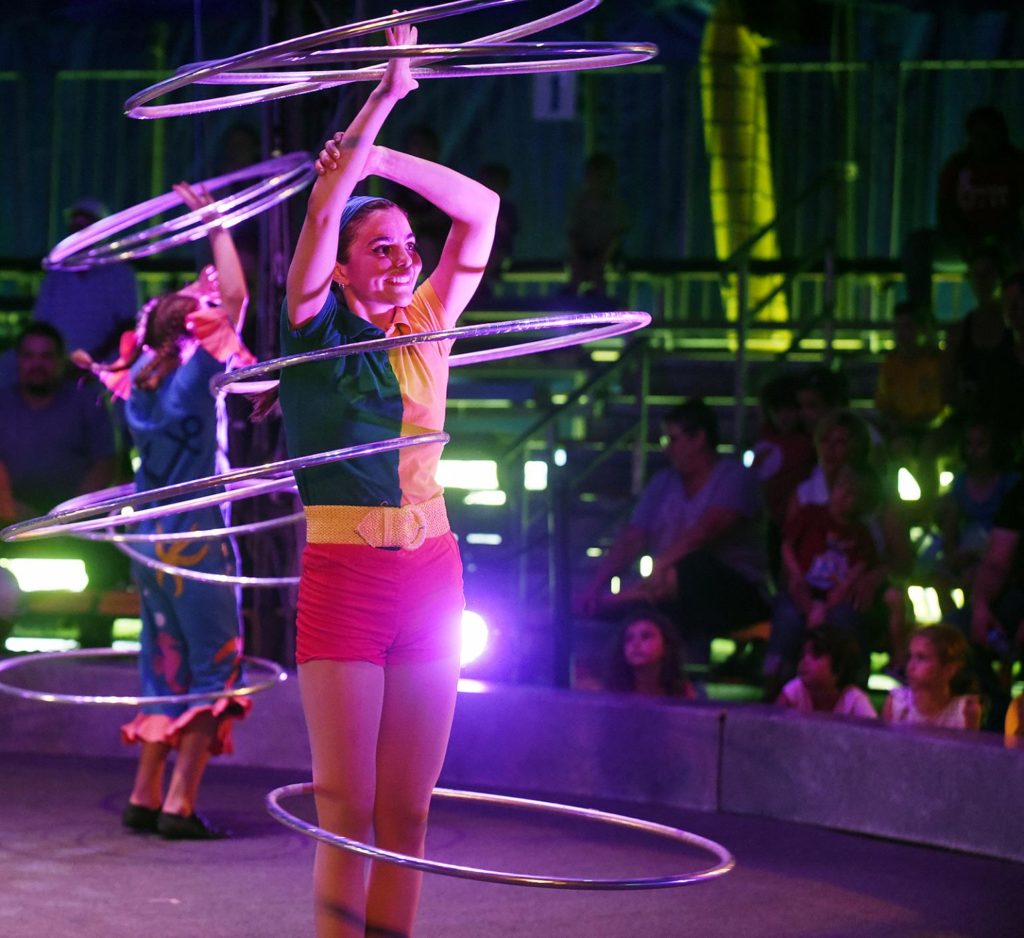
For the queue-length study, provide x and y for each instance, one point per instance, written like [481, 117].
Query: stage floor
[68, 868]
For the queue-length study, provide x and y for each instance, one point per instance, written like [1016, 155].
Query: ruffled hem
[160, 728]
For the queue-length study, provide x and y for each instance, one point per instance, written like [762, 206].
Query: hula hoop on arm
[279, 179]
[609, 324]
[88, 517]
[293, 51]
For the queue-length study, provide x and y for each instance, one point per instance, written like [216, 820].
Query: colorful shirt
[826, 548]
[364, 398]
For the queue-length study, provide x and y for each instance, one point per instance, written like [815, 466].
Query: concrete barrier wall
[941, 787]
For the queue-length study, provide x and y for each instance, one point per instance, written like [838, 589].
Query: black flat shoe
[137, 818]
[181, 827]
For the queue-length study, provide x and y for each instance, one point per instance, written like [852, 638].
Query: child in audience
[936, 681]
[825, 677]
[648, 658]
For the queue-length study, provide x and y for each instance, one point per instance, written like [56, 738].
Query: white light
[925, 601]
[907, 485]
[474, 636]
[28, 644]
[492, 539]
[605, 355]
[136, 462]
[615, 585]
[646, 565]
[958, 597]
[594, 552]
[559, 399]
[37, 573]
[945, 478]
[748, 458]
[535, 475]
[560, 457]
[125, 644]
[493, 497]
[467, 474]
[882, 682]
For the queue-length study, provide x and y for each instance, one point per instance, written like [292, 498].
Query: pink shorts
[361, 603]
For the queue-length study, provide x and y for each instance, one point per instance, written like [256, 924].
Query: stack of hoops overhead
[285, 69]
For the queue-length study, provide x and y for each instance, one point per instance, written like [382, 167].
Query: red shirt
[827, 548]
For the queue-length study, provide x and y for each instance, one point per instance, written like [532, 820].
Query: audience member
[597, 221]
[826, 550]
[1009, 413]
[937, 690]
[702, 520]
[92, 307]
[497, 177]
[648, 657]
[56, 436]
[784, 454]
[979, 201]
[826, 676]
[820, 392]
[967, 512]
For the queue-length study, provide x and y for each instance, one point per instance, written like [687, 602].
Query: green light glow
[38, 573]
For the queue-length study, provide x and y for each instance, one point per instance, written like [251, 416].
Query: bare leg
[419, 701]
[193, 755]
[342, 703]
[148, 790]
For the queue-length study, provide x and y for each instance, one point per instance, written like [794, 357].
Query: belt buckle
[412, 538]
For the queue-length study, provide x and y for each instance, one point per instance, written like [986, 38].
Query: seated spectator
[826, 550]
[90, 308]
[784, 454]
[597, 221]
[56, 436]
[702, 520]
[979, 201]
[826, 675]
[648, 657]
[841, 439]
[967, 513]
[820, 392]
[937, 691]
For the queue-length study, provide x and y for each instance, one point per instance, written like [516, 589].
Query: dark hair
[347, 233]
[693, 416]
[856, 427]
[671, 678]
[831, 385]
[1016, 279]
[993, 117]
[43, 329]
[779, 391]
[841, 648]
[1002, 443]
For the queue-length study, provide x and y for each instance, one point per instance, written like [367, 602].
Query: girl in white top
[825, 675]
[936, 662]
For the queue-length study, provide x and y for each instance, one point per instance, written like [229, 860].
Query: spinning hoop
[725, 859]
[294, 51]
[275, 672]
[280, 178]
[201, 576]
[203, 534]
[85, 518]
[616, 323]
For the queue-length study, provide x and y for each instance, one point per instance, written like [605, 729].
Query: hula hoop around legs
[609, 324]
[275, 672]
[725, 861]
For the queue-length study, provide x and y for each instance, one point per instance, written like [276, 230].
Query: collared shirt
[363, 398]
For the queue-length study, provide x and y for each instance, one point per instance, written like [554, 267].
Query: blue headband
[353, 205]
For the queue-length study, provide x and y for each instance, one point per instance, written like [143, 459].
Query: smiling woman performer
[380, 597]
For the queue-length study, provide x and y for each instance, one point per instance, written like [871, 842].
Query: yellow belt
[406, 527]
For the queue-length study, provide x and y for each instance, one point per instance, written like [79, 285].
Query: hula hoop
[276, 674]
[206, 72]
[201, 576]
[280, 178]
[725, 860]
[616, 323]
[85, 518]
[580, 56]
[203, 534]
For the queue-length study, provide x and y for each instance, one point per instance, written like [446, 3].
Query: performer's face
[382, 265]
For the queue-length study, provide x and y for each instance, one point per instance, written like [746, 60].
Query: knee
[401, 825]
[340, 812]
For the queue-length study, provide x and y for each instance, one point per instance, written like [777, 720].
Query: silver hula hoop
[725, 861]
[202, 576]
[203, 534]
[280, 178]
[85, 518]
[206, 72]
[609, 324]
[275, 675]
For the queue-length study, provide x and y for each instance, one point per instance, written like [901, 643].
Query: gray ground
[67, 868]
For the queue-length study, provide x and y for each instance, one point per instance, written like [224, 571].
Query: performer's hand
[398, 80]
[195, 197]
